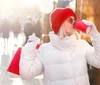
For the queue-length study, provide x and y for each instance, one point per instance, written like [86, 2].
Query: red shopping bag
[14, 64]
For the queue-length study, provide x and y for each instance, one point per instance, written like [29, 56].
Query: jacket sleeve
[30, 65]
[93, 53]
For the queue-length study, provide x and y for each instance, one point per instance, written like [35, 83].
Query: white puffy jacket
[62, 62]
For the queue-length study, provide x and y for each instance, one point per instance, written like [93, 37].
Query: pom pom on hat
[58, 16]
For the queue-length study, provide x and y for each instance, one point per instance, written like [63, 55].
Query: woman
[62, 61]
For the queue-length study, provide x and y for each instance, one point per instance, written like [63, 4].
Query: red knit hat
[58, 16]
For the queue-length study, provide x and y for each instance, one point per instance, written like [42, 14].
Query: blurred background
[20, 18]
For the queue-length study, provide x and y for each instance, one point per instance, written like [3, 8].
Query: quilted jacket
[61, 61]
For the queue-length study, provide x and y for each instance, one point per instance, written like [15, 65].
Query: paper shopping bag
[14, 64]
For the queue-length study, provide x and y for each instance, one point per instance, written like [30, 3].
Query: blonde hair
[61, 33]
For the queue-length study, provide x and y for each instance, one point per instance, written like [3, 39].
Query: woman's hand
[32, 41]
[93, 30]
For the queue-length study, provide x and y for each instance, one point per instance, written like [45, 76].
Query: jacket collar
[67, 44]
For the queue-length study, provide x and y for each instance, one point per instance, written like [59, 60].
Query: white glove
[32, 41]
[33, 38]
[29, 50]
[93, 30]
